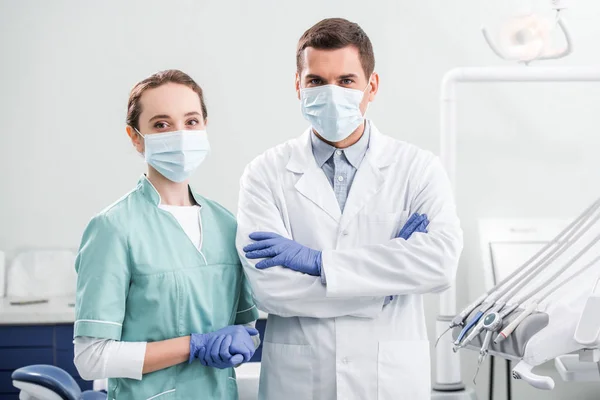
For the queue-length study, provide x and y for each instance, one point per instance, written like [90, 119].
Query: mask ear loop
[369, 103]
[139, 133]
[142, 154]
[368, 84]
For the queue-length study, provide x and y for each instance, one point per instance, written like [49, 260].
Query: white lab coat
[338, 341]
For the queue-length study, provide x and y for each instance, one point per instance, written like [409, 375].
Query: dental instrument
[491, 323]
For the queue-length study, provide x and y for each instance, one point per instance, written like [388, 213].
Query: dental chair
[47, 382]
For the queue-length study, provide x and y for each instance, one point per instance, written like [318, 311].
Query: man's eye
[315, 82]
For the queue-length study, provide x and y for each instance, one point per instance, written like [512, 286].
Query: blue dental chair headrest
[50, 377]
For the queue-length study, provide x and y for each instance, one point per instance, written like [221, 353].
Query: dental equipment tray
[513, 347]
[571, 369]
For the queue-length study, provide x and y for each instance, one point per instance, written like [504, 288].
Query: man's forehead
[339, 62]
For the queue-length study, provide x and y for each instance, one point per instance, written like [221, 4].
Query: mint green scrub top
[140, 278]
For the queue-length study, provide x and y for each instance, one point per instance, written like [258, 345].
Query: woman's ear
[136, 139]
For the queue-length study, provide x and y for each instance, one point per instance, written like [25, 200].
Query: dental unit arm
[582, 366]
[517, 313]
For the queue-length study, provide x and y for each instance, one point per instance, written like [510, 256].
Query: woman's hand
[216, 354]
[224, 348]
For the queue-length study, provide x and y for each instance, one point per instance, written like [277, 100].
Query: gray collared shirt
[340, 165]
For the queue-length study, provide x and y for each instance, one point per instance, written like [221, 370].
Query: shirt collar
[355, 153]
[150, 193]
[321, 150]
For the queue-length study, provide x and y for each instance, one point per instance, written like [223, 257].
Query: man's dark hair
[337, 33]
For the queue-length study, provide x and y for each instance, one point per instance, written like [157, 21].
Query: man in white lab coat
[320, 237]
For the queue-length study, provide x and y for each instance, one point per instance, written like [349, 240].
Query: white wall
[67, 66]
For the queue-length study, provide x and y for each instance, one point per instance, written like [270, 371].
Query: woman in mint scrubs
[163, 309]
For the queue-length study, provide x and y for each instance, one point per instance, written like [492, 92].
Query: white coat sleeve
[425, 263]
[281, 291]
[107, 358]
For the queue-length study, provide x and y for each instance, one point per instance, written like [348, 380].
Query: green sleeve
[247, 311]
[103, 277]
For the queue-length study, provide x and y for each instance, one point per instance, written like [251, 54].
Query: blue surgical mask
[333, 111]
[175, 155]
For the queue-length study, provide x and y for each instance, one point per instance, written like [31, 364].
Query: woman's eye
[193, 122]
[161, 125]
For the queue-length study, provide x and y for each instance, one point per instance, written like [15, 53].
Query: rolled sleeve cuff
[246, 316]
[98, 329]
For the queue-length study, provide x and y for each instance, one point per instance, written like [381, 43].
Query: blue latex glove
[416, 223]
[216, 353]
[283, 252]
[224, 348]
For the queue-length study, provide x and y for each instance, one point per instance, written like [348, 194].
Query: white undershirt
[106, 358]
[189, 220]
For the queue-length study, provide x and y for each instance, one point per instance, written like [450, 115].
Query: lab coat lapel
[313, 183]
[367, 182]
[368, 179]
[314, 186]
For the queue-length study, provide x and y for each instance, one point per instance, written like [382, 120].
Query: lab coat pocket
[286, 372]
[378, 228]
[403, 371]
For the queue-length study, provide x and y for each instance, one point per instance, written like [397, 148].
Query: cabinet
[22, 345]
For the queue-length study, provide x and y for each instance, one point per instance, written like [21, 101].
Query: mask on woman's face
[175, 155]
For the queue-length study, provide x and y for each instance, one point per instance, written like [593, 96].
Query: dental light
[527, 38]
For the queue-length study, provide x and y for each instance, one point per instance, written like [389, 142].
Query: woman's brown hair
[134, 106]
